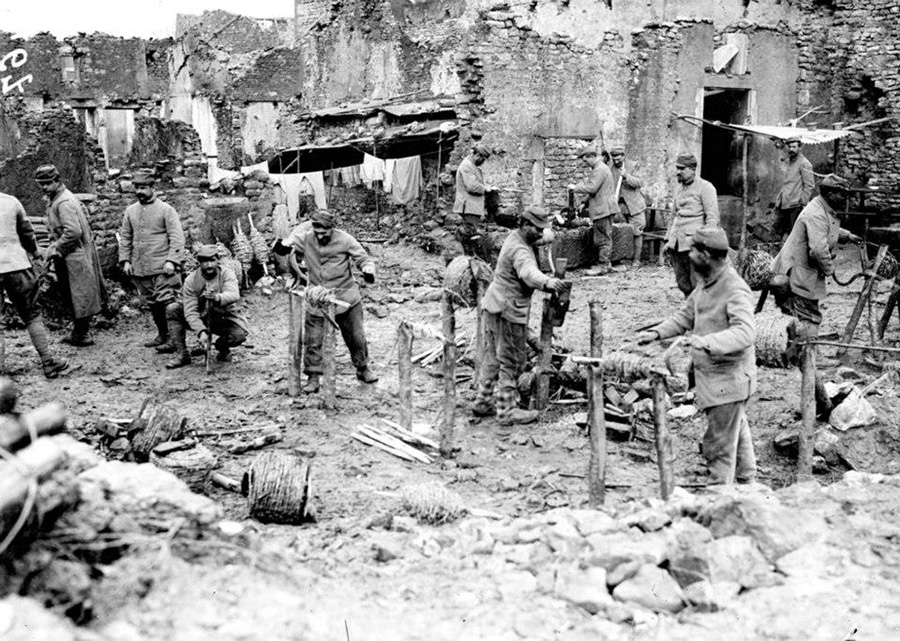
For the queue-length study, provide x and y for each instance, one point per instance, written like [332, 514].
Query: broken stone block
[622, 572]
[854, 411]
[611, 550]
[707, 597]
[736, 559]
[513, 585]
[585, 588]
[653, 588]
[591, 522]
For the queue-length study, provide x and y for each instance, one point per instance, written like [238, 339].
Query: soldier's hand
[645, 338]
[169, 268]
[369, 277]
[211, 295]
[127, 269]
[555, 285]
[696, 342]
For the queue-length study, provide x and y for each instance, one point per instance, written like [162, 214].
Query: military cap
[795, 139]
[482, 150]
[46, 173]
[686, 159]
[617, 150]
[589, 150]
[207, 252]
[323, 218]
[711, 238]
[537, 216]
[834, 182]
[144, 178]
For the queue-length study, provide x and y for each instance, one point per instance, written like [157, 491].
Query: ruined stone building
[535, 78]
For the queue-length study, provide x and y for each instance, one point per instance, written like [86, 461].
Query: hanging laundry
[371, 170]
[296, 185]
[389, 174]
[214, 174]
[407, 181]
[350, 176]
[261, 166]
[313, 183]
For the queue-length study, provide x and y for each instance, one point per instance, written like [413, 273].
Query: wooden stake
[807, 412]
[404, 367]
[665, 450]
[596, 414]
[745, 200]
[479, 334]
[889, 308]
[328, 384]
[449, 423]
[547, 323]
[296, 311]
[861, 301]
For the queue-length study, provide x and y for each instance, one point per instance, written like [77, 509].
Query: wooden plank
[597, 418]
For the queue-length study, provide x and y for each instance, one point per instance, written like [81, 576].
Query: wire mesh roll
[191, 465]
[258, 243]
[461, 279]
[278, 487]
[755, 267]
[775, 344]
[889, 267]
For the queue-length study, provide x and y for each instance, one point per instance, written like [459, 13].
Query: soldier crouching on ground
[208, 305]
[507, 305]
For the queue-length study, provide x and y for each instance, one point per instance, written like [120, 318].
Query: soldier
[696, 206]
[719, 313]
[328, 254]
[600, 190]
[74, 255]
[797, 186]
[18, 254]
[506, 305]
[151, 244]
[208, 305]
[469, 201]
[628, 198]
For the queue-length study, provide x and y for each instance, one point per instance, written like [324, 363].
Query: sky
[143, 18]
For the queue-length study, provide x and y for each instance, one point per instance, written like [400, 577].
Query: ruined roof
[806, 136]
[364, 109]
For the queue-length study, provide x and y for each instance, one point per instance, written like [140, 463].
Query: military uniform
[629, 200]
[796, 189]
[600, 191]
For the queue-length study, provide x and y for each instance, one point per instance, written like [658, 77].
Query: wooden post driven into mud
[542, 398]
[665, 449]
[328, 383]
[807, 412]
[449, 423]
[479, 334]
[404, 373]
[889, 308]
[861, 302]
[596, 417]
[296, 309]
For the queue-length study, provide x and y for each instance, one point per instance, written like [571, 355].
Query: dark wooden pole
[404, 367]
[296, 304]
[449, 423]
[596, 418]
[864, 294]
[665, 449]
[807, 411]
[889, 308]
[548, 318]
[479, 333]
[328, 386]
[745, 202]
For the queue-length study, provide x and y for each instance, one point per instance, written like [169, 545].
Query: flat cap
[590, 149]
[617, 150]
[323, 218]
[795, 139]
[834, 182]
[207, 252]
[686, 159]
[143, 178]
[46, 173]
[711, 238]
[537, 216]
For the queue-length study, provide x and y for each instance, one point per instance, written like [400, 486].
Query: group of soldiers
[717, 313]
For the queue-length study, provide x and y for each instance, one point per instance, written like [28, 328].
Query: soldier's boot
[182, 356]
[508, 413]
[223, 351]
[50, 364]
[158, 313]
[366, 375]
[81, 333]
[638, 250]
[312, 384]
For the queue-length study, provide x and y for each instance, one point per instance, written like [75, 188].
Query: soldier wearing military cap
[151, 247]
[797, 186]
[599, 190]
[696, 206]
[805, 261]
[74, 254]
[208, 304]
[328, 254]
[628, 198]
[719, 315]
[469, 200]
[506, 305]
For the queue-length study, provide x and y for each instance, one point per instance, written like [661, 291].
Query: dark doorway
[721, 150]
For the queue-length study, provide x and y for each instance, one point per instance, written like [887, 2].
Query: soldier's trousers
[504, 359]
[728, 446]
[352, 331]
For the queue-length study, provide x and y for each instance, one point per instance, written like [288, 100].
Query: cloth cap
[322, 218]
[834, 182]
[589, 149]
[143, 178]
[46, 173]
[207, 252]
[482, 150]
[795, 139]
[617, 150]
[686, 159]
[537, 216]
[711, 238]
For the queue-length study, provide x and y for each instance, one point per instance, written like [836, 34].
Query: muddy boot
[81, 333]
[223, 354]
[182, 356]
[55, 367]
[312, 384]
[158, 312]
[366, 375]
[517, 416]
[483, 408]
[638, 250]
[51, 365]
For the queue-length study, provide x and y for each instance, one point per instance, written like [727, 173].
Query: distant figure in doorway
[797, 187]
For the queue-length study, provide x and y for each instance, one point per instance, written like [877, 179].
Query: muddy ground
[327, 583]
